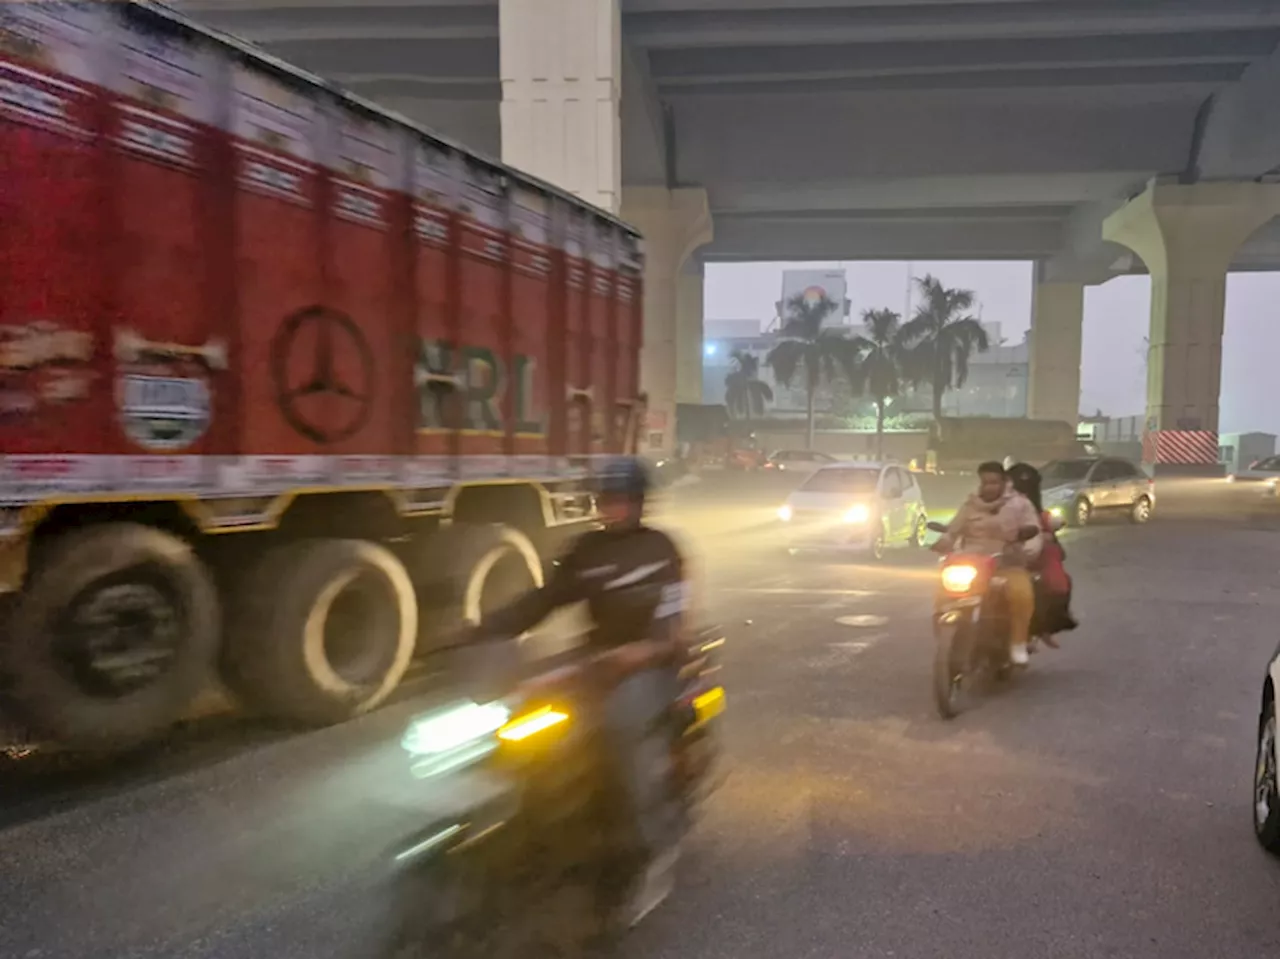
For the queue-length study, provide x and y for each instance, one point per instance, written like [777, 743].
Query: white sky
[1116, 315]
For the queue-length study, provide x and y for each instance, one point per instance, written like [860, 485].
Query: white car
[857, 507]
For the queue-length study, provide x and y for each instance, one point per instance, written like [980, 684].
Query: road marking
[866, 621]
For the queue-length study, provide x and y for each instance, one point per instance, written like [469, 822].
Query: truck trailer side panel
[208, 256]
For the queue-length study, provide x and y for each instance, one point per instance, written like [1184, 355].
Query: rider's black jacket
[632, 580]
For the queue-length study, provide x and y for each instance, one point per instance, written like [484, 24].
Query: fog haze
[1116, 318]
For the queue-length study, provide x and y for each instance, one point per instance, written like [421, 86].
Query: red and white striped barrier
[1181, 447]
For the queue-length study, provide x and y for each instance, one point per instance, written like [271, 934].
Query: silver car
[1261, 471]
[1075, 490]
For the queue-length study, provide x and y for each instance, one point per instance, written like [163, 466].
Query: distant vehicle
[1074, 490]
[960, 443]
[1260, 471]
[856, 507]
[703, 430]
[1266, 784]
[797, 461]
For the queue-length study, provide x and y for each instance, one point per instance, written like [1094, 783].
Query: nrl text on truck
[290, 388]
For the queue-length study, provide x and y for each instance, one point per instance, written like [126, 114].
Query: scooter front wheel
[950, 662]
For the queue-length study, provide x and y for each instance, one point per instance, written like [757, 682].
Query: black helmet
[625, 476]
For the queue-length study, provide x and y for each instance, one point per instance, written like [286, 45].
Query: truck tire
[460, 571]
[320, 631]
[113, 636]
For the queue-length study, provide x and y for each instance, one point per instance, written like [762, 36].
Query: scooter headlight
[959, 579]
[454, 736]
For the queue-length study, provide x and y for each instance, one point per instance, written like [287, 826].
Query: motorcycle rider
[632, 578]
[990, 521]
[1053, 586]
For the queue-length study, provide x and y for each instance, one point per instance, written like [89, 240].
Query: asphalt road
[1097, 807]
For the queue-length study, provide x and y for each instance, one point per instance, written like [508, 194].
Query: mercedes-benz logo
[322, 368]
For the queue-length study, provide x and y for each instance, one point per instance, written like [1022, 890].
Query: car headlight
[857, 514]
[454, 736]
[959, 578]
[784, 513]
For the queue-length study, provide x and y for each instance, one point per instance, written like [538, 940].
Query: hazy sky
[1116, 316]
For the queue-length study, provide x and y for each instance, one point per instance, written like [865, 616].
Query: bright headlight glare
[784, 513]
[958, 579]
[857, 514]
[454, 727]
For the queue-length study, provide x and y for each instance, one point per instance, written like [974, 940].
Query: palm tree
[880, 367]
[823, 354]
[941, 338]
[744, 392]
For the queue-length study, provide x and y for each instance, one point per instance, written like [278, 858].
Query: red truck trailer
[290, 388]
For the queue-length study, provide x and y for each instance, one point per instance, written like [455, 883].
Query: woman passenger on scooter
[991, 520]
[1053, 590]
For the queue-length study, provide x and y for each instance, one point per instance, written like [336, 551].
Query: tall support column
[689, 339]
[561, 69]
[1187, 235]
[1053, 368]
[674, 223]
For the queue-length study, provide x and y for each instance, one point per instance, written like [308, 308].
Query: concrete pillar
[1053, 366]
[674, 223]
[1187, 235]
[689, 340]
[561, 70]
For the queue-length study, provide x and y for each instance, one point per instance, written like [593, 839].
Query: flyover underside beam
[768, 238]
[671, 24]
[824, 138]
[1242, 136]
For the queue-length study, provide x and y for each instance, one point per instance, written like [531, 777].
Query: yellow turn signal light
[958, 579]
[530, 724]
[709, 705]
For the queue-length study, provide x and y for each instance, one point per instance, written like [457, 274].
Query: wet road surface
[1096, 807]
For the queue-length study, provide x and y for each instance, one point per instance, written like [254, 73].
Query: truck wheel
[465, 570]
[112, 637]
[322, 630]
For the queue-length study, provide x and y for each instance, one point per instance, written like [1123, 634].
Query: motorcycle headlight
[857, 514]
[958, 579]
[454, 736]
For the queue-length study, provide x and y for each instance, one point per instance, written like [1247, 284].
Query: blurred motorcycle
[970, 623]
[543, 858]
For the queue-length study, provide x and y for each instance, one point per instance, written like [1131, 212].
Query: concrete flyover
[867, 129]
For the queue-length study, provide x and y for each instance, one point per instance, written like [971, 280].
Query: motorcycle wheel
[950, 669]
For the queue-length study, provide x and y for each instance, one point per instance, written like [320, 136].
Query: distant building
[997, 383]
[717, 364]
